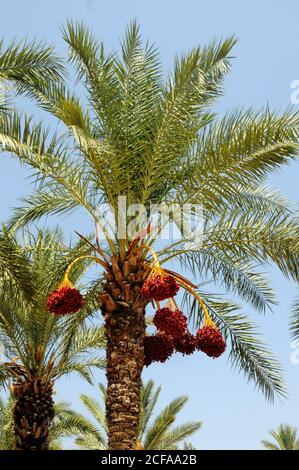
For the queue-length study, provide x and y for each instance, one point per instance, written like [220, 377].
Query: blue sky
[234, 415]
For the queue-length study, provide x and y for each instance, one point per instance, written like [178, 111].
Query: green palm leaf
[248, 353]
[285, 438]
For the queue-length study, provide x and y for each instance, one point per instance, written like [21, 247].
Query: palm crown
[285, 438]
[156, 141]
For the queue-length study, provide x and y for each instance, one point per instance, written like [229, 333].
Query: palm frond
[40, 204]
[178, 434]
[234, 273]
[149, 398]
[242, 149]
[161, 425]
[29, 63]
[285, 438]
[90, 441]
[14, 266]
[94, 407]
[248, 353]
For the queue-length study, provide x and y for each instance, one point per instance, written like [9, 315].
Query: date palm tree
[154, 433]
[39, 347]
[158, 141]
[285, 438]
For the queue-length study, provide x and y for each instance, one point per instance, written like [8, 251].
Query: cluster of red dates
[172, 333]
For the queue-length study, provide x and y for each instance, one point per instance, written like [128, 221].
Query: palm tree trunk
[33, 413]
[125, 330]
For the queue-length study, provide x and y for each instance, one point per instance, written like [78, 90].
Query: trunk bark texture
[33, 413]
[124, 312]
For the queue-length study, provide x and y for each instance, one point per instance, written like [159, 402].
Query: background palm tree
[155, 433]
[285, 438]
[65, 423]
[7, 435]
[157, 141]
[40, 347]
